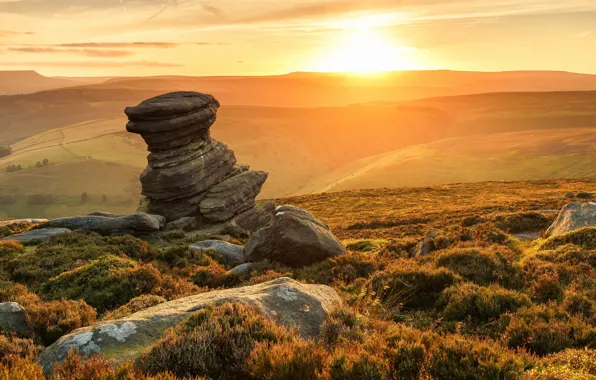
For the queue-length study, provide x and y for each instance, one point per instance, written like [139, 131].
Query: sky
[266, 37]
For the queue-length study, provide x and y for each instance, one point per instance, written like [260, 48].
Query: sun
[364, 51]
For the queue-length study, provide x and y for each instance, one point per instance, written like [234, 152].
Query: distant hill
[30, 114]
[29, 81]
[501, 136]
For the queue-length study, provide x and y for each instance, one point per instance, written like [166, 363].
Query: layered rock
[37, 235]
[135, 224]
[189, 174]
[295, 238]
[289, 302]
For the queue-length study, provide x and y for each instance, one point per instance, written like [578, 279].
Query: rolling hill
[29, 81]
[30, 114]
[501, 136]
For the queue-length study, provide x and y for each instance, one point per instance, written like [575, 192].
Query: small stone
[231, 252]
[241, 270]
[569, 195]
[584, 195]
[13, 318]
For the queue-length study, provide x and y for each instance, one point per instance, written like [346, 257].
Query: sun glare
[364, 51]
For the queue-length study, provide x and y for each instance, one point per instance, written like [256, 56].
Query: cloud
[96, 64]
[128, 45]
[85, 52]
[15, 33]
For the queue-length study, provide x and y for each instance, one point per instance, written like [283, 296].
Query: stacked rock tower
[189, 174]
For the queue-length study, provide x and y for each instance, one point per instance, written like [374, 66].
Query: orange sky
[249, 37]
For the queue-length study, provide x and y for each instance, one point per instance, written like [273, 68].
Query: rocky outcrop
[189, 174]
[231, 252]
[294, 304]
[13, 318]
[572, 217]
[135, 224]
[295, 238]
[37, 235]
[232, 196]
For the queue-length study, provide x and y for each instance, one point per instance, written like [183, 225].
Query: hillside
[27, 115]
[25, 82]
[490, 299]
[430, 141]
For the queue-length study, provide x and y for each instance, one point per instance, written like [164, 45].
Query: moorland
[493, 299]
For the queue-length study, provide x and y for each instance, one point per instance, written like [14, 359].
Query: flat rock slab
[573, 217]
[231, 252]
[13, 318]
[4, 223]
[292, 303]
[135, 224]
[37, 235]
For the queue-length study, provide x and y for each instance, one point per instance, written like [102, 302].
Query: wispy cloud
[92, 64]
[85, 52]
[15, 33]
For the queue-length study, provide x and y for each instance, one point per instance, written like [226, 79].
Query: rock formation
[572, 217]
[292, 303]
[295, 238]
[189, 174]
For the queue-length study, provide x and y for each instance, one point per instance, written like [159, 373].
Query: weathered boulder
[572, 217]
[232, 196]
[295, 238]
[584, 195]
[13, 318]
[135, 224]
[241, 270]
[231, 252]
[9, 222]
[294, 304]
[37, 235]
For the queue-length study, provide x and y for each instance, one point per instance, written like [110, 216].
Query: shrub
[11, 347]
[66, 252]
[74, 367]
[365, 245]
[298, 360]
[361, 365]
[211, 276]
[577, 303]
[407, 285]
[215, 342]
[172, 288]
[342, 326]
[51, 320]
[21, 369]
[10, 248]
[407, 361]
[543, 280]
[345, 268]
[583, 237]
[521, 221]
[488, 233]
[480, 303]
[5, 151]
[13, 229]
[136, 304]
[481, 266]
[456, 358]
[105, 284]
[545, 330]
[571, 364]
